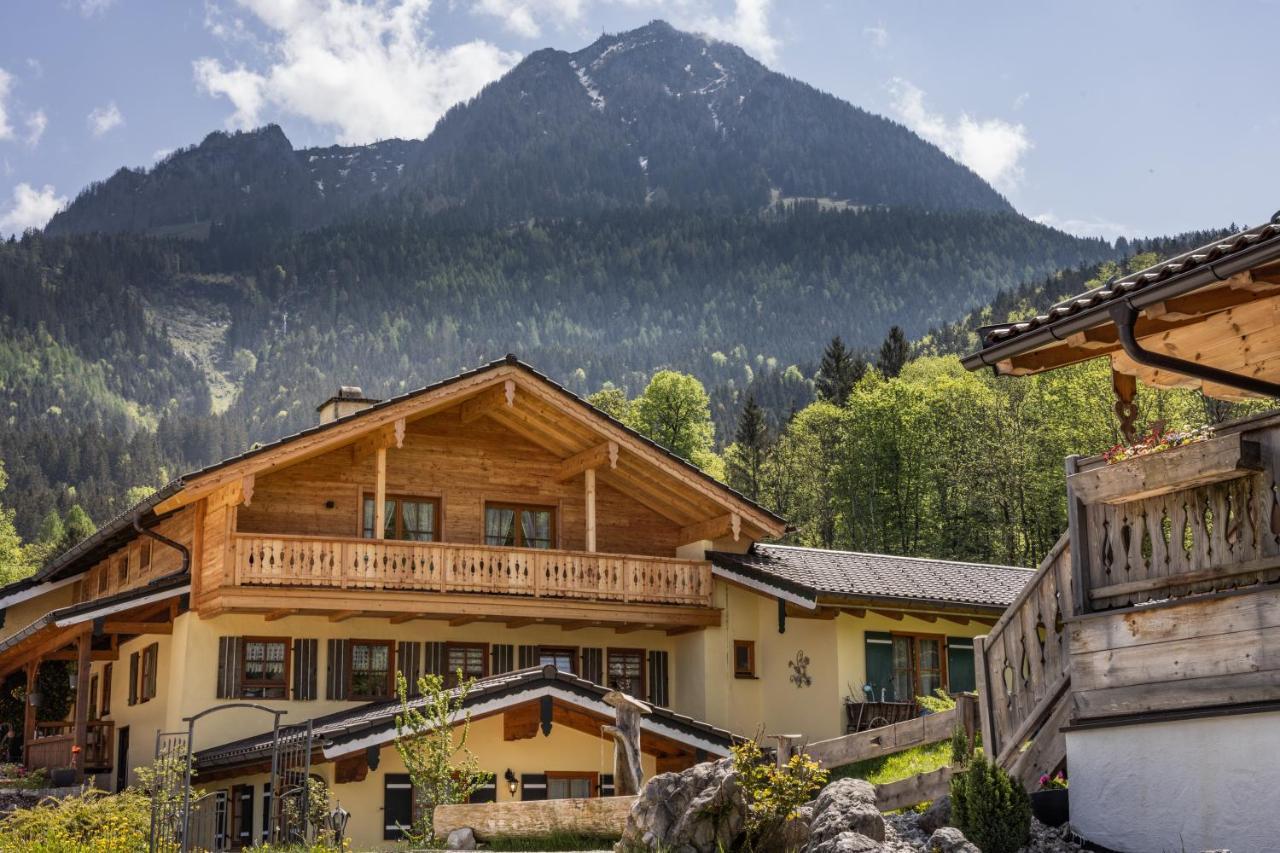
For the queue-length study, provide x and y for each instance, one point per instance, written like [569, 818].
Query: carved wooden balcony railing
[309, 561]
[1199, 518]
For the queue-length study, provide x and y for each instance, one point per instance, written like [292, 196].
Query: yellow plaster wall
[201, 656]
[563, 749]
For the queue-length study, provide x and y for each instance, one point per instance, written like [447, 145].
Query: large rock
[844, 806]
[949, 840]
[699, 810]
[855, 842]
[936, 816]
[461, 839]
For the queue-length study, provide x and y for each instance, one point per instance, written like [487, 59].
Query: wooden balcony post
[29, 712]
[82, 704]
[589, 477]
[380, 496]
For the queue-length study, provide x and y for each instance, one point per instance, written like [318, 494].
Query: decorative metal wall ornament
[800, 670]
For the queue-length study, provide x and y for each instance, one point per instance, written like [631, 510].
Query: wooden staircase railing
[1023, 672]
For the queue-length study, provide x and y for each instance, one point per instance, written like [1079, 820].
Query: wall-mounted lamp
[512, 784]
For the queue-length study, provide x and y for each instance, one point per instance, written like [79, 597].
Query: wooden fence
[886, 740]
[1023, 662]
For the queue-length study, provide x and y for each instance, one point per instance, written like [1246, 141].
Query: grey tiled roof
[1139, 281]
[818, 572]
[336, 729]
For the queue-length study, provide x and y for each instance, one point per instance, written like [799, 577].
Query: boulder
[936, 816]
[845, 806]
[855, 842]
[948, 839]
[794, 834]
[461, 839]
[699, 810]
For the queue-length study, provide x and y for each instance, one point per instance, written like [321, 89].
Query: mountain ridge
[652, 116]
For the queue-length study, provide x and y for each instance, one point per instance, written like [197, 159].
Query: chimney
[349, 400]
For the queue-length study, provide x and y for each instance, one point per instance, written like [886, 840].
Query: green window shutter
[879, 645]
[960, 666]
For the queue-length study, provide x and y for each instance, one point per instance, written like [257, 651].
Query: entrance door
[122, 758]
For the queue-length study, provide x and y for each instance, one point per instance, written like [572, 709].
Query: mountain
[651, 117]
[654, 200]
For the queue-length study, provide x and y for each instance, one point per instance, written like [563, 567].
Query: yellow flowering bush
[91, 822]
[773, 794]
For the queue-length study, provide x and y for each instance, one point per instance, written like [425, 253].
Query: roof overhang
[1215, 306]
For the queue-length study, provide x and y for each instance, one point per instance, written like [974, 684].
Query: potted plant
[1051, 805]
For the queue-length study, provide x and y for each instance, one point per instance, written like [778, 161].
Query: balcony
[51, 748]
[452, 569]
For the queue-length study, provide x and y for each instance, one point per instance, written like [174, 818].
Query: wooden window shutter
[305, 669]
[151, 656]
[879, 652]
[486, 793]
[961, 676]
[528, 656]
[659, 691]
[230, 651]
[503, 658]
[397, 806]
[409, 663]
[433, 658]
[593, 665]
[606, 785]
[133, 679]
[336, 670]
[533, 786]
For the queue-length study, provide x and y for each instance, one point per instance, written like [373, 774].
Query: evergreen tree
[839, 372]
[13, 559]
[746, 457]
[894, 353]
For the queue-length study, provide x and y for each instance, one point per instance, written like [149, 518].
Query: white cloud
[748, 27]
[522, 16]
[878, 35]
[31, 208]
[1096, 227]
[366, 69]
[105, 119]
[991, 147]
[89, 8]
[6, 83]
[36, 124]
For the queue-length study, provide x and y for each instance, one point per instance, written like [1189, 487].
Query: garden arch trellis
[172, 806]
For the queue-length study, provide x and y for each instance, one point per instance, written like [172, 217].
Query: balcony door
[519, 525]
[405, 517]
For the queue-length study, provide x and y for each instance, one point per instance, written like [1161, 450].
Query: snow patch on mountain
[597, 100]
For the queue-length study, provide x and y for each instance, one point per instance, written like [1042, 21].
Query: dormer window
[415, 519]
[519, 525]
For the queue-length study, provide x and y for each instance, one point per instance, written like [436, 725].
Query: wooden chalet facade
[491, 523]
[1143, 654]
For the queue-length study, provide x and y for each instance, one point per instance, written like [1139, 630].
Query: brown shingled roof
[817, 572]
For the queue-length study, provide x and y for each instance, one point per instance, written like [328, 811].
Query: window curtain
[499, 526]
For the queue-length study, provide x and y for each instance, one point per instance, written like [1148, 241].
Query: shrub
[990, 807]
[774, 794]
[91, 822]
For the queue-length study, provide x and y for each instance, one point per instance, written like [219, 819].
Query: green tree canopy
[674, 411]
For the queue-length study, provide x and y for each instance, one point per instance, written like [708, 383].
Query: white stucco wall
[1207, 784]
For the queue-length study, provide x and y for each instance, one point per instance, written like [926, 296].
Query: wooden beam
[380, 496]
[343, 615]
[503, 394]
[959, 620]
[889, 614]
[276, 615]
[459, 621]
[713, 528]
[524, 622]
[81, 727]
[401, 618]
[588, 460]
[683, 629]
[578, 626]
[635, 626]
[589, 490]
[383, 438]
[123, 627]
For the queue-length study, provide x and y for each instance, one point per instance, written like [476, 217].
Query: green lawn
[900, 765]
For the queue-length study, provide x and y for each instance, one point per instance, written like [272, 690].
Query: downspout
[165, 540]
[1124, 315]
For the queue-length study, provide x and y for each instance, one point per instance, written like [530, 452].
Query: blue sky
[1102, 118]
